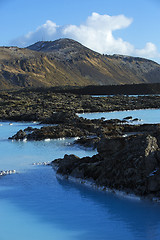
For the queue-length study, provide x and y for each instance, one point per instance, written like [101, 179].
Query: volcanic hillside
[67, 62]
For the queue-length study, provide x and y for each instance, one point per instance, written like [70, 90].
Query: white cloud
[96, 33]
[149, 50]
[45, 32]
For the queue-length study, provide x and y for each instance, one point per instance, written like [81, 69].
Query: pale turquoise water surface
[145, 115]
[34, 204]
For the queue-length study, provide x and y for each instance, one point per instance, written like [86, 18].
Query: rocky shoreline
[130, 165]
[88, 131]
[37, 105]
[128, 157]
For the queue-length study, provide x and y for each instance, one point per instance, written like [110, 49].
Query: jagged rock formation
[67, 62]
[129, 164]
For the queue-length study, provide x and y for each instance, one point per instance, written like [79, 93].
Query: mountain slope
[67, 62]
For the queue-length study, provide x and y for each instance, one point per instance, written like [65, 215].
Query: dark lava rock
[115, 121]
[52, 132]
[130, 164]
[88, 142]
[29, 129]
[61, 117]
[71, 126]
[128, 118]
[20, 135]
[46, 105]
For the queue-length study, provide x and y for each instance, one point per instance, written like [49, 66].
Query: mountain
[67, 62]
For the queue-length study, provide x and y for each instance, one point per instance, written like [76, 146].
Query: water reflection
[141, 217]
[75, 208]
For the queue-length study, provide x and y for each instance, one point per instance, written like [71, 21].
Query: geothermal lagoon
[35, 204]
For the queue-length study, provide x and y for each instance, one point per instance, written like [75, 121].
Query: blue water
[34, 204]
[145, 115]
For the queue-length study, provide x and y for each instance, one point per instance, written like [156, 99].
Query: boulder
[20, 135]
[61, 117]
[110, 145]
[88, 142]
[130, 164]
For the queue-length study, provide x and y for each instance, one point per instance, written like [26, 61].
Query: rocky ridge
[67, 62]
[130, 164]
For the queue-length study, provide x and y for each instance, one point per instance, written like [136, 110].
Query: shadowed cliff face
[67, 62]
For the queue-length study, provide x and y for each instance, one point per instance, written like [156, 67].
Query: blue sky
[129, 27]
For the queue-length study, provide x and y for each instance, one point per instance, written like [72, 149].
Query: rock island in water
[128, 157]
